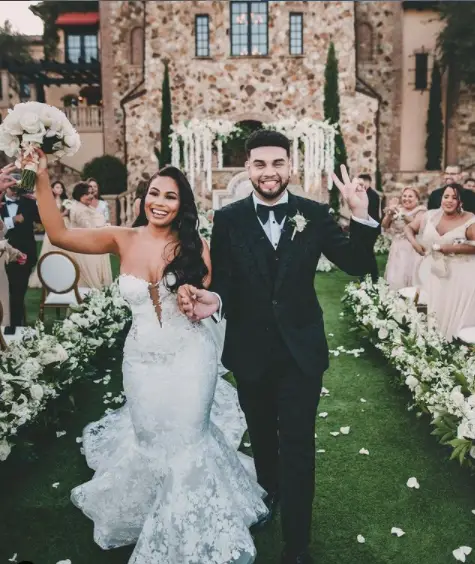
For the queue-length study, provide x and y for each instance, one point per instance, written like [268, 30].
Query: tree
[110, 173]
[331, 110]
[456, 41]
[435, 124]
[165, 153]
[13, 45]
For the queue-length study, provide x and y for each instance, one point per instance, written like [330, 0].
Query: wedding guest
[19, 214]
[446, 243]
[97, 201]
[95, 270]
[469, 184]
[8, 254]
[402, 259]
[451, 176]
[61, 199]
[374, 211]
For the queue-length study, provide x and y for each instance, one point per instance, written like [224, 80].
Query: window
[249, 28]
[296, 34]
[364, 42]
[136, 46]
[202, 36]
[81, 46]
[421, 70]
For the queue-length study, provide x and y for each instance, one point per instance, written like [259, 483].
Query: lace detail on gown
[166, 476]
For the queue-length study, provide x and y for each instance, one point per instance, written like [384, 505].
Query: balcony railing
[84, 118]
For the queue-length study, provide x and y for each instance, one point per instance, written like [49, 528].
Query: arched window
[136, 46]
[364, 42]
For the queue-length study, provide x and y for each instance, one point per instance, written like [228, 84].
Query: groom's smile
[269, 171]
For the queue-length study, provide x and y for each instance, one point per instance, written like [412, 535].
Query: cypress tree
[165, 155]
[435, 124]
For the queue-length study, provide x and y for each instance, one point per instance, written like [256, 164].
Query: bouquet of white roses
[33, 125]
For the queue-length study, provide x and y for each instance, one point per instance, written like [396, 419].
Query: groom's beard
[281, 186]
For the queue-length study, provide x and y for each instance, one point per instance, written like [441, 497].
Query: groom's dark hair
[267, 138]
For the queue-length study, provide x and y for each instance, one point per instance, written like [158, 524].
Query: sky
[21, 18]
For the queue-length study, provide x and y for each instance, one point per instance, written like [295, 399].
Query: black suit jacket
[374, 207]
[261, 301]
[435, 199]
[22, 236]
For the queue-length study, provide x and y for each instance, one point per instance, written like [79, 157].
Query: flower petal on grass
[364, 451]
[397, 531]
[334, 433]
[413, 483]
[461, 552]
[323, 414]
[361, 539]
[344, 430]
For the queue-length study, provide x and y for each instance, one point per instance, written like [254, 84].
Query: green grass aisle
[356, 494]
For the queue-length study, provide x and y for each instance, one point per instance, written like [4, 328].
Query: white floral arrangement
[37, 368]
[382, 245]
[324, 265]
[440, 375]
[32, 125]
[205, 225]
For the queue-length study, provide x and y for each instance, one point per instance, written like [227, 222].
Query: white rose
[466, 430]
[412, 383]
[34, 137]
[56, 354]
[11, 124]
[9, 144]
[457, 397]
[383, 333]
[36, 392]
[30, 122]
[71, 143]
[4, 450]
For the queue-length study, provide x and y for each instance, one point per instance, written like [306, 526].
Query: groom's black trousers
[280, 409]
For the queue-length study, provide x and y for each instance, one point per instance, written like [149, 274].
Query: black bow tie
[280, 211]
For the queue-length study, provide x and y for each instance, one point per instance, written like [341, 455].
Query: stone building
[258, 60]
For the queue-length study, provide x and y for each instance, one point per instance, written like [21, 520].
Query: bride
[166, 477]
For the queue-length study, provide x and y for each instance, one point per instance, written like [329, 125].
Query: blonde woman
[403, 259]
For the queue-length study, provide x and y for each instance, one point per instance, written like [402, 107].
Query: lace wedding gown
[166, 476]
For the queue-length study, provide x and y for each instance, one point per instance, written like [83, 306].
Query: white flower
[397, 531]
[383, 333]
[344, 430]
[13, 558]
[361, 539]
[30, 122]
[334, 433]
[413, 483]
[64, 562]
[364, 451]
[11, 124]
[9, 144]
[323, 414]
[362, 400]
[461, 552]
[36, 392]
[320, 450]
[55, 485]
[4, 450]
[60, 434]
[412, 383]
[299, 222]
[247, 445]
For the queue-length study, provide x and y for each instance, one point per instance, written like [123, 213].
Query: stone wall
[237, 88]
[380, 66]
[463, 127]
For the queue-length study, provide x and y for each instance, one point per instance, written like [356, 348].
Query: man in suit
[374, 211]
[451, 176]
[264, 253]
[19, 213]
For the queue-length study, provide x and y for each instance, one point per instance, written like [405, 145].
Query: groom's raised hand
[197, 303]
[353, 192]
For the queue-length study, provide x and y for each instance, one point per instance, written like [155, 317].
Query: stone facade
[263, 88]
[463, 128]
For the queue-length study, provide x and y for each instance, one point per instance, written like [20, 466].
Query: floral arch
[313, 147]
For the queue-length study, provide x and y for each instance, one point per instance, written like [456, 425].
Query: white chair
[416, 294]
[59, 276]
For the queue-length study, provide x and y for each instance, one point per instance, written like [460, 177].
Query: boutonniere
[299, 222]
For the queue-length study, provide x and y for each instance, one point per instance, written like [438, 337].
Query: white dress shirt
[272, 229]
[12, 207]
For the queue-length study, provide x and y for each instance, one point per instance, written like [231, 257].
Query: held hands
[195, 303]
[420, 250]
[353, 193]
[21, 260]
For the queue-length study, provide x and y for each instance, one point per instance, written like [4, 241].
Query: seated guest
[451, 176]
[469, 184]
[402, 259]
[445, 240]
[95, 270]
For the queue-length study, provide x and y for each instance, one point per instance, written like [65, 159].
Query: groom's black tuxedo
[275, 340]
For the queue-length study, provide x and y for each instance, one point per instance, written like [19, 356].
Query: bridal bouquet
[33, 125]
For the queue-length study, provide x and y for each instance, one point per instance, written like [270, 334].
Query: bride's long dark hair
[187, 266]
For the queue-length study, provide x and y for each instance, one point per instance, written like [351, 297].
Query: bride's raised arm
[96, 241]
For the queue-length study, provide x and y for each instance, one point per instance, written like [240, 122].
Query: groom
[264, 252]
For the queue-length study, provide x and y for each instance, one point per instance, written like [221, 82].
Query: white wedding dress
[168, 476]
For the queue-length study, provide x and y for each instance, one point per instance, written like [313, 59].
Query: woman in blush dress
[446, 242]
[402, 260]
[97, 202]
[95, 270]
